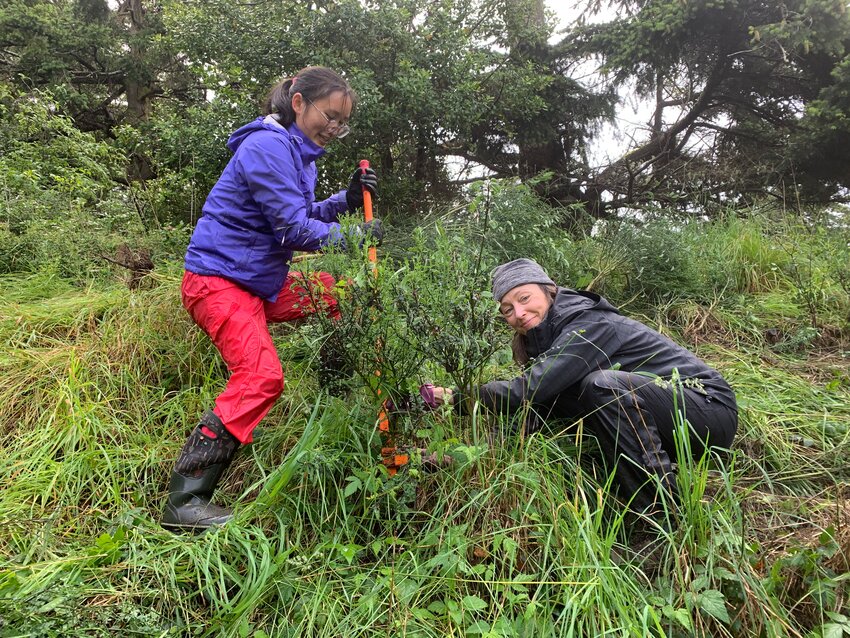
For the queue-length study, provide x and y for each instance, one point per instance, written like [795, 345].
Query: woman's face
[524, 307]
[321, 120]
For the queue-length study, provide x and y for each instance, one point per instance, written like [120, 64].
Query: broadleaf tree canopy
[751, 98]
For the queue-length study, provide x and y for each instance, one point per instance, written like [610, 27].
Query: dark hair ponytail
[314, 83]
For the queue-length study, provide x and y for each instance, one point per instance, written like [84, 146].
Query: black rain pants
[633, 417]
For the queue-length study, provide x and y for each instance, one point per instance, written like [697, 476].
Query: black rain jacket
[583, 333]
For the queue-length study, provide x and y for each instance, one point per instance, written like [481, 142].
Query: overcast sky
[632, 116]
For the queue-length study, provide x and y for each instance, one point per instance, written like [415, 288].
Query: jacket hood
[566, 306]
[309, 150]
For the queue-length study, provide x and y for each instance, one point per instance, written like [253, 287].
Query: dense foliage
[750, 97]
[99, 385]
[113, 123]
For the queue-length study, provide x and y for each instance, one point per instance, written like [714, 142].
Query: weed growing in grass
[520, 537]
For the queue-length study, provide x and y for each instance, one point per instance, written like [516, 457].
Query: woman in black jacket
[583, 359]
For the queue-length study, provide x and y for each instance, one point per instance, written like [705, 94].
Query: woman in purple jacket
[237, 277]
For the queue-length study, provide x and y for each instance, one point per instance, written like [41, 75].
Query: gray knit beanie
[516, 273]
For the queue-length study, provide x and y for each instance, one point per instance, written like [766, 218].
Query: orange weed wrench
[390, 457]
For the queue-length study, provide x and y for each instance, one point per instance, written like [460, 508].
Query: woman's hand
[435, 395]
[373, 229]
[360, 179]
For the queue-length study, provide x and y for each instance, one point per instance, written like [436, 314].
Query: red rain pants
[237, 322]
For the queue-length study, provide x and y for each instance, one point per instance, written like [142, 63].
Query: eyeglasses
[335, 127]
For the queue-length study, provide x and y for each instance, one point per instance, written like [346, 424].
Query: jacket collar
[565, 307]
[310, 151]
[307, 148]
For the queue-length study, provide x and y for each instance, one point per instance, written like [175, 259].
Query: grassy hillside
[100, 385]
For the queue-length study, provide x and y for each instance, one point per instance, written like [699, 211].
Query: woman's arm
[274, 184]
[585, 345]
[328, 210]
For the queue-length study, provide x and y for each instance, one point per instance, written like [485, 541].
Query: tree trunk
[138, 88]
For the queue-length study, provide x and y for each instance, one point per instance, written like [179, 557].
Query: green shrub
[747, 256]
[663, 260]
[63, 205]
[507, 220]
[42, 151]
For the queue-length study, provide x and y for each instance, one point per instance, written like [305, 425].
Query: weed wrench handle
[390, 458]
[367, 210]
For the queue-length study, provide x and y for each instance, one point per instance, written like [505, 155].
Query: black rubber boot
[204, 458]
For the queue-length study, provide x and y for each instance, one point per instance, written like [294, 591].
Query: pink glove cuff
[426, 391]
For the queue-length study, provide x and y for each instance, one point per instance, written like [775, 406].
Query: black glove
[373, 228]
[359, 181]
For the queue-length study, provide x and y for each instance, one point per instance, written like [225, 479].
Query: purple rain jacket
[262, 209]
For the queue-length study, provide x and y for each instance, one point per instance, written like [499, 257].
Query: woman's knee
[269, 375]
[271, 387]
[326, 284]
[598, 389]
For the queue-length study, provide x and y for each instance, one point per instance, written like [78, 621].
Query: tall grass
[520, 537]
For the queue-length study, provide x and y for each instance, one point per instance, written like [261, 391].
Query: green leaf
[700, 582]
[348, 551]
[838, 618]
[713, 603]
[681, 616]
[832, 630]
[473, 603]
[421, 614]
[477, 628]
[354, 484]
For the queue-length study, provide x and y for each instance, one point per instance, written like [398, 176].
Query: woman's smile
[524, 307]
